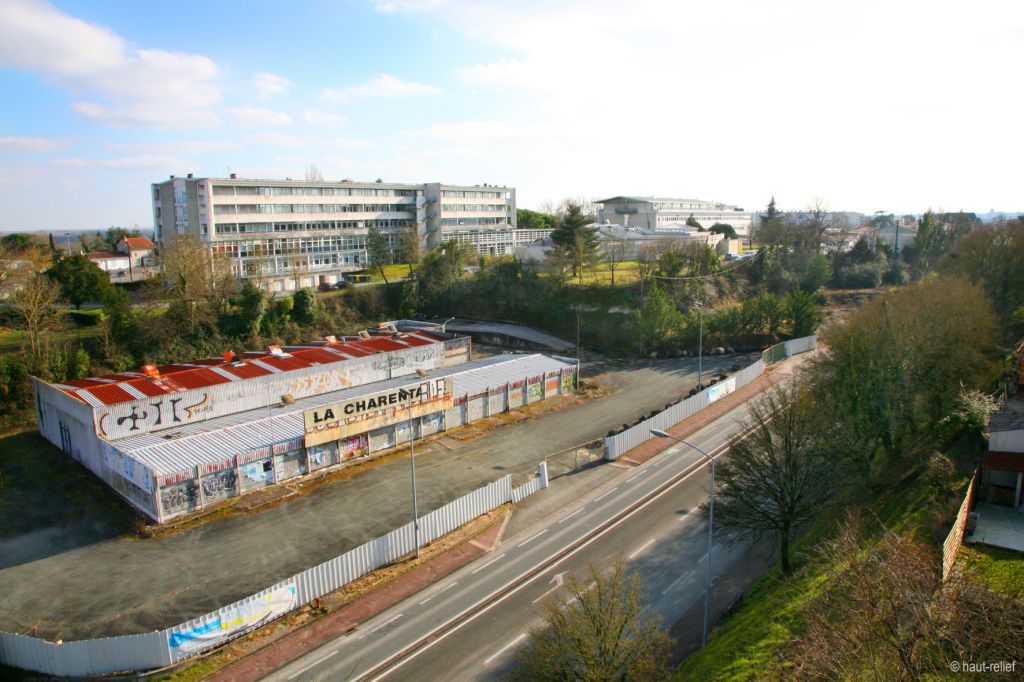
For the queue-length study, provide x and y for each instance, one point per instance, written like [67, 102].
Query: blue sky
[897, 106]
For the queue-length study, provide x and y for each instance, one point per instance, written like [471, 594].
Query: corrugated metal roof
[127, 386]
[211, 441]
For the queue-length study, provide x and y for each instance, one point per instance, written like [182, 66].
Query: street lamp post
[412, 467]
[700, 348]
[711, 525]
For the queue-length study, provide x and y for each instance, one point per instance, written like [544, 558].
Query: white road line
[531, 538]
[505, 648]
[494, 560]
[566, 518]
[636, 476]
[443, 589]
[713, 548]
[642, 548]
[601, 497]
[676, 582]
[313, 664]
[387, 623]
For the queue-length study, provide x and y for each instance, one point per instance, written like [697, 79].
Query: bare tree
[614, 252]
[596, 634]
[313, 174]
[776, 478]
[35, 301]
[194, 276]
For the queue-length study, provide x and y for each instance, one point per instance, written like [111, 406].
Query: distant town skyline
[866, 106]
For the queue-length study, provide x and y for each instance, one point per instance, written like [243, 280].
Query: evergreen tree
[377, 250]
[305, 307]
[80, 280]
[573, 235]
[693, 222]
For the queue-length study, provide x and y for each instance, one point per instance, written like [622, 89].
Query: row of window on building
[235, 209]
[250, 190]
[310, 226]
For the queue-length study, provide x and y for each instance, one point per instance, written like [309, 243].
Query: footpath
[686, 631]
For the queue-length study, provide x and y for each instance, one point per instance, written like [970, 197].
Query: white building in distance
[289, 234]
[657, 213]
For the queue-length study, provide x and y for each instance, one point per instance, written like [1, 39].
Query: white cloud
[396, 6]
[112, 83]
[152, 162]
[256, 117]
[384, 86]
[268, 84]
[318, 117]
[189, 147]
[33, 145]
[269, 139]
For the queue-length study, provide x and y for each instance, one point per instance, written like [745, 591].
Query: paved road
[123, 585]
[663, 539]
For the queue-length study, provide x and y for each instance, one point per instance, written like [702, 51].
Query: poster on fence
[233, 622]
[721, 390]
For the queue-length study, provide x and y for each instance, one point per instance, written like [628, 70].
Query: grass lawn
[15, 339]
[1001, 569]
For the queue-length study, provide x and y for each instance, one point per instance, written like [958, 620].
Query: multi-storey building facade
[654, 213]
[289, 234]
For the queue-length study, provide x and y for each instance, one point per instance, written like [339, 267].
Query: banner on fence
[224, 626]
[721, 390]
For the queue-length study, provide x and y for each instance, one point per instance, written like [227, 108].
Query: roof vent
[151, 371]
[228, 356]
[276, 351]
[363, 334]
[287, 399]
[331, 340]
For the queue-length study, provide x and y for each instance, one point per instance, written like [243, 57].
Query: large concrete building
[657, 213]
[289, 234]
[177, 438]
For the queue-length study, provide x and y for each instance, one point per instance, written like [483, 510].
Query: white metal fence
[619, 444]
[159, 649]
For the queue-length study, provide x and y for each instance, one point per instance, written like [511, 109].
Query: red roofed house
[141, 261]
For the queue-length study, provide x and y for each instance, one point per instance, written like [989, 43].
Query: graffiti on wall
[178, 497]
[219, 484]
[536, 391]
[354, 445]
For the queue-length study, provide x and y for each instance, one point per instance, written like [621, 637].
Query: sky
[896, 106]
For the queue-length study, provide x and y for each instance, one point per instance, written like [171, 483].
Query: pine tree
[573, 235]
[377, 250]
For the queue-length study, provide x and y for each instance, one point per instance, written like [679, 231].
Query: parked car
[327, 286]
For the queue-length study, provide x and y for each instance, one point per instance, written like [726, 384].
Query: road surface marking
[505, 648]
[642, 548]
[677, 581]
[605, 495]
[637, 476]
[313, 664]
[558, 579]
[443, 589]
[494, 560]
[386, 623]
[532, 538]
[713, 548]
[566, 518]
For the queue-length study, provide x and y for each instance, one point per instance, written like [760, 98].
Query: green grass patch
[1002, 570]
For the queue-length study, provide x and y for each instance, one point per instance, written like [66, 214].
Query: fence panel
[802, 345]
[85, 657]
[535, 484]
[955, 539]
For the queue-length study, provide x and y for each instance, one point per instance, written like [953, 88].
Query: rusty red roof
[138, 243]
[123, 387]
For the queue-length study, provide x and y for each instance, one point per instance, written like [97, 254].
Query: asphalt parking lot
[124, 585]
